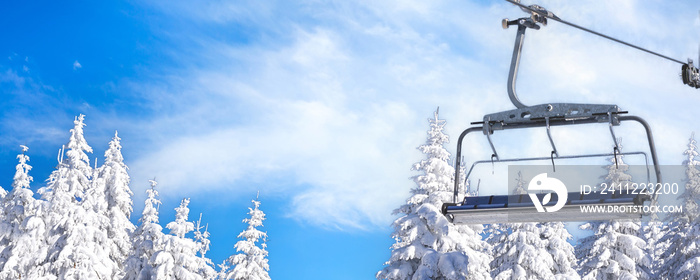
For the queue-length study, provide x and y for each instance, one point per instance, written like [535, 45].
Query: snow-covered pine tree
[95, 205]
[531, 250]
[14, 216]
[691, 194]
[681, 259]
[22, 178]
[494, 231]
[464, 187]
[3, 192]
[251, 261]
[562, 252]
[615, 250]
[653, 233]
[223, 270]
[497, 234]
[75, 251]
[691, 267]
[6, 225]
[25, 236]
[204, 264]
[118, 195]
[146, 240]
[519, 185]
[520, 253]
[427, 245]
[178, 258]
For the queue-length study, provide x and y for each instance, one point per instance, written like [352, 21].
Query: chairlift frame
[491, 209]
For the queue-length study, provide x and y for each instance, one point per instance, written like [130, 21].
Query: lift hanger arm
[689, 73]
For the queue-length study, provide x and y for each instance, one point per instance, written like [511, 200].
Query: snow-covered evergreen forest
[78, 226]
[428, 246]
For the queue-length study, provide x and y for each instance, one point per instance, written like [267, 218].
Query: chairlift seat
[497, 201]
[520, 208]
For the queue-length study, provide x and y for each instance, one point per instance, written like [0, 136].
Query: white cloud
[76, 65]
[35, 117]
[338, 106]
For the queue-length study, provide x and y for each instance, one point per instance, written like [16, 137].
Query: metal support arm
[514, 63]
[652, 147]
[458, 161]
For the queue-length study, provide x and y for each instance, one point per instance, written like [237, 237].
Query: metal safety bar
[646, 160]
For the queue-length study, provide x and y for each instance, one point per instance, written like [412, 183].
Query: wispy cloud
[333, 97]
[325, 102]
[32, 113]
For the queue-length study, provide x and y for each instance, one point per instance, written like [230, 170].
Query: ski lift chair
[520, 208]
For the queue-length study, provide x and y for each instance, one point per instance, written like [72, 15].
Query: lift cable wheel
[493, 209]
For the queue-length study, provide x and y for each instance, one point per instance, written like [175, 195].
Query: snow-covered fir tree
[80, 227]
[691, 267]
[117, 195]
[25, 236]
[204, 264]
[427, 245]
[497, 232]
[681, 259]
[112, 202]
[178, 257]
[531, 250]
[95, 206]
[520, 253]
[464, 187]
[653, 234]
[223, 269]
[615, 250]
[652, 231]
[563, 253]
[250, 263]
[691, 194]
[74, 239]
[13, 211]
[147, 238]
[519, 185]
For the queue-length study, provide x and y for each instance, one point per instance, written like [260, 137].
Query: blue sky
[319, 105]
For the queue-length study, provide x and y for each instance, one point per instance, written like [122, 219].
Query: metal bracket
[493, 148]
[616, 148]
[551, 141]
[557, 113]
[549, 135]
[690, 74]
